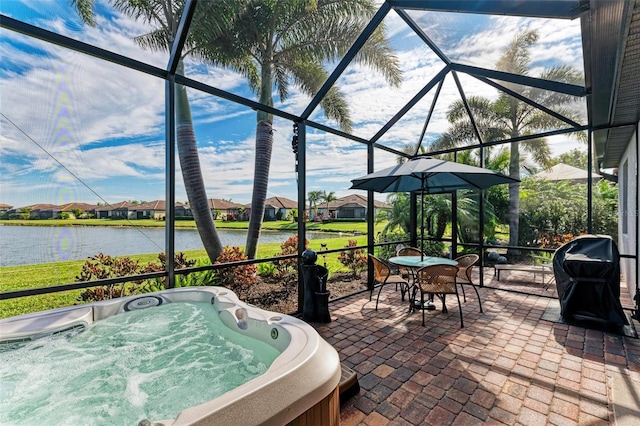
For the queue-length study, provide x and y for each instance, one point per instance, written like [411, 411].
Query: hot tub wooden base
[325, 412]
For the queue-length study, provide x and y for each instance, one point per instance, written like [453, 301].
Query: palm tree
[279, 44]
[327, 198]
[398, 215]
[508, 117]
[164, 15]
[314, 199]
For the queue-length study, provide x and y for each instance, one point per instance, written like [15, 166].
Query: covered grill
[587, 272]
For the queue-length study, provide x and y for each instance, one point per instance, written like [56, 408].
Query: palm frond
[85, 10]
[335, 107]
[156, 41]
[516, 57]
[538, 149]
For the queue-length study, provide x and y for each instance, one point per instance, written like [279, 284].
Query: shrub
[387, 251]
[236, 278]
[180, 261]
[432, 248]
[267, 269]
[288, 267]
[200, 278]
[103, 266]
[355, 259]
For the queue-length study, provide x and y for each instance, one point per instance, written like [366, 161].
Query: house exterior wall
[628, 208]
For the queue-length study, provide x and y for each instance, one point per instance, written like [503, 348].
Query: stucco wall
[627, 240]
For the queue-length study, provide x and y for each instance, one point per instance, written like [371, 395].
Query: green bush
[103, 266]
[433, 248]
[385, 252]
[288, 267]
[267, 269]
[200, 278]
[236, 278]
[551, 211]
[355, 259]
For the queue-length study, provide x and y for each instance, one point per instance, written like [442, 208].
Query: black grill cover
[587, 272]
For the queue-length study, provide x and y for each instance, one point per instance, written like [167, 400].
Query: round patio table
[414, 263]
[421, 261]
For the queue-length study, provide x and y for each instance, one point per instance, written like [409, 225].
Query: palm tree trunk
[264, 145]
[514, 197]
[192, 175]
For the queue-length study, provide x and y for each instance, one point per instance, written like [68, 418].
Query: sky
[78, 129]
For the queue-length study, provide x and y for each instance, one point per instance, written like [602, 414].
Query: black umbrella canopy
[430, 176]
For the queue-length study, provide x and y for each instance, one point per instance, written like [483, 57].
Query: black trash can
[587, 273]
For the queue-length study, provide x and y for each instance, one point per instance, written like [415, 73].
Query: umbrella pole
[422, 219]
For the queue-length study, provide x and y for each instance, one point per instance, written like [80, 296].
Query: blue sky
[74, 128]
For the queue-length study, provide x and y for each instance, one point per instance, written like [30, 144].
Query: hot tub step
[349, 385]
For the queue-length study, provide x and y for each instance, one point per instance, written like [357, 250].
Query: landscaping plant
[236, 278]
[355, 259]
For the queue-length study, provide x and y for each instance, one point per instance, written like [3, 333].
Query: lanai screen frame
[532, 8]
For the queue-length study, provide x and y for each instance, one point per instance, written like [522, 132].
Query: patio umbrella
[428, 175]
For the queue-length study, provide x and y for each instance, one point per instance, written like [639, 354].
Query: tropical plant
[180, 261]
[507, 117]
[398, 216]
[25, 213]
[273, 44]
[199, 278]
[103, 266]
[288, 267]
[314, 198]
[551, 210]
[236, 278]
[576, 158]
[164, 16]
[280, 44]
[353, 259]
[328, 198]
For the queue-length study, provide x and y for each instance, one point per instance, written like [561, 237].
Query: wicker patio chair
[438, 280]
[407, 251]
[383, 275]
[465, 267]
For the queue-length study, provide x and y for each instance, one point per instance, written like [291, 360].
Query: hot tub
[299, 387]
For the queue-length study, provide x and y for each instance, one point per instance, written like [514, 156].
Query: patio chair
[383, 275]
[438, 280]
[407, 251]
[465, 267]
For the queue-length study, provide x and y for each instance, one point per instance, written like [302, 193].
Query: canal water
[24, 245]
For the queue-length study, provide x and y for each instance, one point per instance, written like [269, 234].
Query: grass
[51, 274]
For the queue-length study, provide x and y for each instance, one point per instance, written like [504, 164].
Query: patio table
[417, 262]
[413, 263]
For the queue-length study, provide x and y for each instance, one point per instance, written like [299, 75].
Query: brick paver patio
[506, 366]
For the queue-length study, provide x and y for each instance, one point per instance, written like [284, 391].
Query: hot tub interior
[161, 356]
